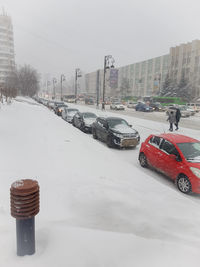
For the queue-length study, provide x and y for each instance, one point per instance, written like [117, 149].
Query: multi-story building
[185, 62]
[7, 58]
[146, 78]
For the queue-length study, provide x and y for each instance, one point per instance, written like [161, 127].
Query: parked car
[117, 106]
[50, 104]
[191, 110]
[177, 156]
[184, 112]
[68, 114]
[116, 132]
[143, 107]
[131, 105]
[59, 108]
[84, 121]
[89, 101]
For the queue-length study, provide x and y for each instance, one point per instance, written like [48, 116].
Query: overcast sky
[57, 36]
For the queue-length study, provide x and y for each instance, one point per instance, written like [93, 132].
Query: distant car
[50, 104]
[84, 121]
[191, 110]
[143, 107]
[117, 106]
[156, 106]
[184, 112]
[116, 132]
[68, 114]
[131, 105]
[89, 101]
[177, 156]
[59, 108]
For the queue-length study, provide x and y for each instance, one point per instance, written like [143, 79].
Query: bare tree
[9, 89]
[28, 81]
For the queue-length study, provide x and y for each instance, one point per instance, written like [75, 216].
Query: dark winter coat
[178, 114]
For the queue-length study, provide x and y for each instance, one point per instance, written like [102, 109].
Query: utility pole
[107, 61]
[54, 88]
[77, 75]
[62, 78]
[97, 88]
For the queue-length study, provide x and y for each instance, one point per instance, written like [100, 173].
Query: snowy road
[98, 206]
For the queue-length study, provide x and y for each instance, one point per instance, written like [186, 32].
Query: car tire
[109, 142]
[94, 134]
[143, 160]
[183, 183]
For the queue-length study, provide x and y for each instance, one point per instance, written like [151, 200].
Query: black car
[116, 132]
[84, 120]
[143, 107]
[59, 108]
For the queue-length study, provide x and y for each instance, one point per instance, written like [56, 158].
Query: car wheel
[143, 160]
[94, 134]
[184, 184]
[109, 142]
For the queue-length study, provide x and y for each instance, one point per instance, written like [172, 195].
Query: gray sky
[58, 36]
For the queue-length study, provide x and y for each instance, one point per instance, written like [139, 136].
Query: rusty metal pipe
[24, 203]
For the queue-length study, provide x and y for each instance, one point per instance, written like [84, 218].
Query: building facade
[146, 78]
[185, 62]
[7, 56]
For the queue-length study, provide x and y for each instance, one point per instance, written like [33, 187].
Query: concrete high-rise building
[7, 56]
[146, 78]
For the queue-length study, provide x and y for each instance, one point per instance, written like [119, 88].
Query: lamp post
[62, 78]
[54, 87]
[77, 75]
[108, 63]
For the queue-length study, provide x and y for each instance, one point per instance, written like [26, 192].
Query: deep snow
[98, 206]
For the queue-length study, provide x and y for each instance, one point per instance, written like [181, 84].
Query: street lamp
[54, 87]
[77, 75]
[108, 63]
[62, 78]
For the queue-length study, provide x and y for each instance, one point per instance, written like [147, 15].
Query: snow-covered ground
[99, 208]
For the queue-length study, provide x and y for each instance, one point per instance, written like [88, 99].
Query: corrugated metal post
[24, 197]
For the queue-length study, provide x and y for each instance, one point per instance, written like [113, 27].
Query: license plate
[129, 142]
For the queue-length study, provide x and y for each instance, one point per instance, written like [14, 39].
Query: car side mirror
[130, 125]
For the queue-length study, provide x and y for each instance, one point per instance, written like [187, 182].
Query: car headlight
[196, 171]
[118, 135]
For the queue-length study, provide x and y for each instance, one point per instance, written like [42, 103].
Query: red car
[175, 155]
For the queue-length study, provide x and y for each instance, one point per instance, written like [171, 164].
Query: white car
[117, 106]
[131, 105]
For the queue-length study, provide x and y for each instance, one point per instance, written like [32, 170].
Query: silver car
[68, 114]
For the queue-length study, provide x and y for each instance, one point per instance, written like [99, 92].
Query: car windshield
[72, 110]
[89, 115]
[191, 151]
[115, 122]
[117, 103]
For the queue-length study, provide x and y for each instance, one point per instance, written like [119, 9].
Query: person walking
[172, 119]
[178, 116]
